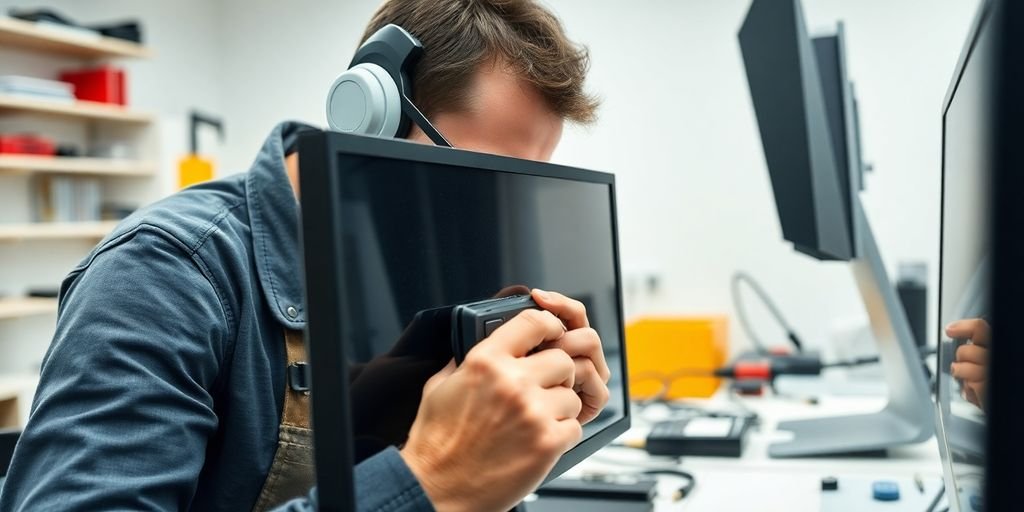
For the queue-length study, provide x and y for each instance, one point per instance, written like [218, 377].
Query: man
[165, 387]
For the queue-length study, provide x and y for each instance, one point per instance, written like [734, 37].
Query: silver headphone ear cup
[364, 100]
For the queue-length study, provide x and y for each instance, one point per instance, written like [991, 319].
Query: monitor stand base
[867, 435]
[908, 416]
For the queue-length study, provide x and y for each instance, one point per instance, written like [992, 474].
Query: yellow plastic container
[194, 169]
[668, 354]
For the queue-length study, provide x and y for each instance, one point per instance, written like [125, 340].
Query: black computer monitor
[1005, 447]
[806, 115]
[394, 233]
[981, 278]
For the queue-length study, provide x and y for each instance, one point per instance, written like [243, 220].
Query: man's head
[497, 76]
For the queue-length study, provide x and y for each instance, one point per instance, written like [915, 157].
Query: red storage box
[26, 144]
[105, 84]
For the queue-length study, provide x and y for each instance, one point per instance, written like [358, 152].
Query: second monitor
[808, 121]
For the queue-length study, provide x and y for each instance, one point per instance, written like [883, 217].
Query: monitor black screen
[424, 228]
[423, 236]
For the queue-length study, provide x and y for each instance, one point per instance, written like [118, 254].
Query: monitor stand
[907, 417]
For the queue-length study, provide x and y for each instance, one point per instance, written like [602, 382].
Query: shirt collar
[274, 219]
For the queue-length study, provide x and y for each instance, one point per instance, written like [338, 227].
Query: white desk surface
[755, 482]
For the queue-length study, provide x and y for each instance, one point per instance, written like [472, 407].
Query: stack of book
[66, 199]
[37, 87]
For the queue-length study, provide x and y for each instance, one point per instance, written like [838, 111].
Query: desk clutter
[854, 493]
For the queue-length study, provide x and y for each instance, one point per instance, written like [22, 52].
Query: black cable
[686, 489]
[742, 277]
[938, 497]
[861, 361]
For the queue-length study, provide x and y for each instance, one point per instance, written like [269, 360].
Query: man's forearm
[383, 483]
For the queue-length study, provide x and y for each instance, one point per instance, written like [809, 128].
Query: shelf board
[75, 165]
[56, 231]
[30, 36]
[82, 109]
[20, 307]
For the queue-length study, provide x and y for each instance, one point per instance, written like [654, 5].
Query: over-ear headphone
[373, 96]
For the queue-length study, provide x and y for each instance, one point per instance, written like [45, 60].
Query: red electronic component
[760, 370]
[26, 144]
[105, 84]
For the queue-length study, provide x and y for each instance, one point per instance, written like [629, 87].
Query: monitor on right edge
[965, 312]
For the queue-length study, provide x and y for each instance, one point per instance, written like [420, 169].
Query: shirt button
[292, 312]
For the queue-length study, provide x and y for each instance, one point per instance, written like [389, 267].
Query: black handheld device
[473, 322]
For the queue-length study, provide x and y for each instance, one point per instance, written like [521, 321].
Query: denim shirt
[163, 386]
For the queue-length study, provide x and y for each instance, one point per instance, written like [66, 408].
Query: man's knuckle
[580, 307]
[479, 365]
[589, 367]
[562, 359]
[575, 431]
[577, 404]
[549, 443]
[508, 391]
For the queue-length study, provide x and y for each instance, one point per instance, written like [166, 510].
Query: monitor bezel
[1005, 448]
[319, 153]
[825, 218]
[946, 423]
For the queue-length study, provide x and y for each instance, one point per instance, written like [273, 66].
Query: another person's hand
[971, 365]
[488, 431]
[584, 345]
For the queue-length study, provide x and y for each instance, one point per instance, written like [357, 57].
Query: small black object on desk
[830, 483]
[620, 493]
[707, 436]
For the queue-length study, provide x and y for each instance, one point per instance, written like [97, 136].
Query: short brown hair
[461, 35]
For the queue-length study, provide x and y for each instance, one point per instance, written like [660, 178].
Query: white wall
[677, 128]
[280, 57]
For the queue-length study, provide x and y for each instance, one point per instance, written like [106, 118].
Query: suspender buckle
[298, 377]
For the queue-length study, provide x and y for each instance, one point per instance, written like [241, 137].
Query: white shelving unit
[26, 306]
[27, 164]
[17, 33]
[10, 103]
[55, 231]
[96, 123]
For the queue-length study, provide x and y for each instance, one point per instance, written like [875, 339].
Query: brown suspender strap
[296, 402]
[291, 473]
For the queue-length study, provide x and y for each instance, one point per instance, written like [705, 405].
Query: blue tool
[885, 490]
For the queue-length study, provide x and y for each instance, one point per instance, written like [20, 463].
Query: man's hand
[584, 345]
[488, 431]
[971, 364]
